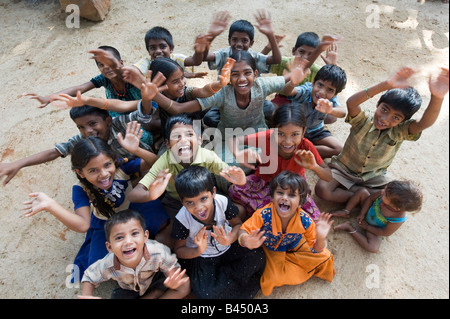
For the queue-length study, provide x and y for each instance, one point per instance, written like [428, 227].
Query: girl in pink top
[283, 148]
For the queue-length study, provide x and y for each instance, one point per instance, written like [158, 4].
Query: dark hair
[244, 56]
[157, 33]
[113, 50]
[293, 181]
[164, 65]
[83, 151]
[242, 26]
[310, 39]
[404, 195]
[407, 101]
[185, 119]
[77, 112]
[123, 217]
[333, 73]
[288, 114]
[193, 180]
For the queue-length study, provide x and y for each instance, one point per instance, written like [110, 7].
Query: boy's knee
[321, 190]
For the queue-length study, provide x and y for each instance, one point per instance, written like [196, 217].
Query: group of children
[223, 220]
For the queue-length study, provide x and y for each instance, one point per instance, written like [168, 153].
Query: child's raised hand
[248, 158]
[298, 70]
[439, 86]
[133, 134]
[201, 43]
[71, 101]
[264, 21]
[255, 239]
[323, 225]
[400, 78]
[324, 106]
[159, 185]
[219, 23]
[305, 158]
[105, 58]
[133, 76]
[331, 54]
[39, 202]
[150, 89]
[235, 175]
[224, 77]
[201, 240]
[221, 235]
[175, 278]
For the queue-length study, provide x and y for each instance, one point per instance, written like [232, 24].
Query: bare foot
[345, 227]
[340, 213]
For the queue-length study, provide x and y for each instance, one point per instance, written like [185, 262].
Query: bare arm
[264, 25]
[11, 169]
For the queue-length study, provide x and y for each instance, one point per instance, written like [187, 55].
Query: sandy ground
[40, 53]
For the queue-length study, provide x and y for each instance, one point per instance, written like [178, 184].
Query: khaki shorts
[348, 181]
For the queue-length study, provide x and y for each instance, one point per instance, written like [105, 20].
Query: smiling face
[201, 206]
[289, 138]
[286, 203]
[322, 90]
[176, 84]
[183, 143]
[99, 171]
[158, 48]
[242, 78]
[94, 125]
[386, 117]
[127, 242]
[240, 41]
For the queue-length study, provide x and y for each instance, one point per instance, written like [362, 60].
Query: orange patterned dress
[290, 258]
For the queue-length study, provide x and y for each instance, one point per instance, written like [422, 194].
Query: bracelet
[367, 93]
[210, 87]
[171, 103]
[239, 239]
[106, 105]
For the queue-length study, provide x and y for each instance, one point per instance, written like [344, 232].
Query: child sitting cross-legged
[205, 232]
[295, 245]
[142, 267]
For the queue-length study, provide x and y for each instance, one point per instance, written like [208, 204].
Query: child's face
[242, 78]
[99, 171]
[289, 138]
[386, 117]
[108, 72]
[127, 242]
[286, 202]
[240, 41]
[176, 84]
[303, 51]
[183, 143]
[94, 125]
[158, 48]
[322, 90]
[201, 206]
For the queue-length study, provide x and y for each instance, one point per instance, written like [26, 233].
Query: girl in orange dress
[293, 243]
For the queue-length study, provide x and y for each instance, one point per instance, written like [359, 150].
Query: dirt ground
[39, 53]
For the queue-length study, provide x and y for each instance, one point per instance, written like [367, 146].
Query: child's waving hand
[305, 158]
[105, 58]
[176, 278]
[71, 101]
[234, 175]
[221, 235]
[150, 89]
[219, 23]
[400, 78]
[299, 70]
[254, 239]
[201, 240]
[39, 202]
[264, 21]
[323, 225]
[225, 75]
[132, 136]
[439, 86]
[159, 185]
[324, 106]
